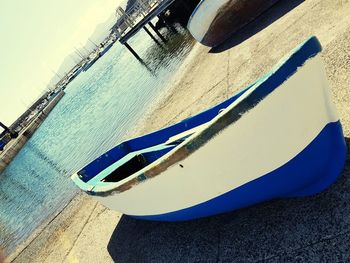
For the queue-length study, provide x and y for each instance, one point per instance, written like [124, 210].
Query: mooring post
[133, 51]
[157, 32]
[150, 34]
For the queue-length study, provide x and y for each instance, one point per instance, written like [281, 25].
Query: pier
[15, 145]
[138, 17]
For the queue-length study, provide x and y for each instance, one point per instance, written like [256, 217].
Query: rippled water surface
[99, 109]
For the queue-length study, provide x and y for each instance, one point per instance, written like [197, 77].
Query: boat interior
[143, 158]
[132, 156]
[137, 160]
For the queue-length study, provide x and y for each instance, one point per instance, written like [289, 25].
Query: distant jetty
[13, 147]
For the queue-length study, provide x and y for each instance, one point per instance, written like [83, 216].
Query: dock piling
[157, 32]
[132, 51]
[150, 34]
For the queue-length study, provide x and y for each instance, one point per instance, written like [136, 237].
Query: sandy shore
[275, 231]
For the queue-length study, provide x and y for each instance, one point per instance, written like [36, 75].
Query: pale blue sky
[35, 36]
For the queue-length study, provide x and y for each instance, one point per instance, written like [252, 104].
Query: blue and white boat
[214, 21]
[278, 138]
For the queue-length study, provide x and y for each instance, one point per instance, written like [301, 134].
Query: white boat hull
[288, 143]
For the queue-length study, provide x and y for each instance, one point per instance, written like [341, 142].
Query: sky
[35, 37]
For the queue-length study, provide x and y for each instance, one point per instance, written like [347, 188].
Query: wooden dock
[137, 17]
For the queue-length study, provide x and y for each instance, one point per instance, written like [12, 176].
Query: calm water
[99, 109]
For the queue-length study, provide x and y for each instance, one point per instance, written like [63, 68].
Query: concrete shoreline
[304, 229]
[13, 148]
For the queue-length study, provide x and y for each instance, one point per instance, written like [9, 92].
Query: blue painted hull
[317, 167]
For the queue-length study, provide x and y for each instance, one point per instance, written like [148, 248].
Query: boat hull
[302, 176]
[212, 22]
[281, 137]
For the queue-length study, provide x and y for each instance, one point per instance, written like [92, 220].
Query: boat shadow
[276, 231]
[264, 20]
